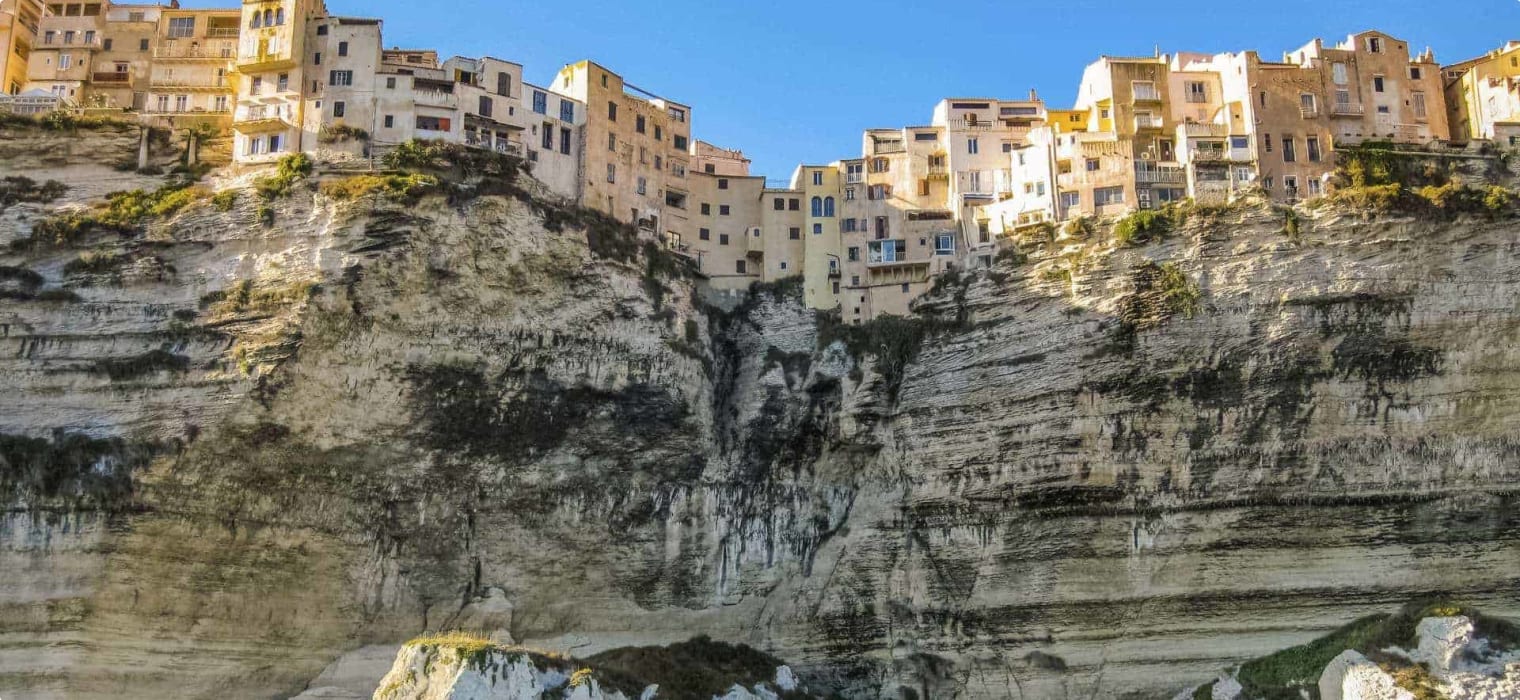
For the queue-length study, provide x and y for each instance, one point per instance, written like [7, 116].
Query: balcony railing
[260, 113]
[176, 109]
[854, 178]
[1309, 111]
[940, 170]
[436, 98]
[222, 32]
[1147, 121]
[111, 77]
[1346, 109]
[1161, 174]
[1145, 93]
[195, 52]
[972, 125]
[881, 147]
[210, 83]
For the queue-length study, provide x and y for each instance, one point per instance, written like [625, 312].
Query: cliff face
[251, 448]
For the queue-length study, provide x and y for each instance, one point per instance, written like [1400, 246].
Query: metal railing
[194, 52]
[1148, 121]
[222, 32]
[436, 98]
[1145, 93]
[1309, 111]
[190, 83]
[1159, 174]
[1347, 109]
[968, 124]
[111, 77]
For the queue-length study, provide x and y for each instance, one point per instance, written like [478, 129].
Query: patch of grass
[1141, 227]
[265, 215]
[70, 470]
[94, 262]
[894, 341]
[148, 363]
[225, 200]
[123, 213]
[61, 120]
[1292, 226]
[1011, 256]
[1205, 691]
[243, 298]
[697, 668]
[288, 171]
[1161, 290]
[342, 132]
[1080, 228]
[17, 188]
[399, 188]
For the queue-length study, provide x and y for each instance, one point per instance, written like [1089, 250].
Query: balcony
[1346, 109]
[1309, 111]
[883, 147]
[939, 172]
[265, 61]
[260, 118]
[1148, 121]
[853, 178]
[222, 32]
[193, 53]
[436, 98]
[971, 125]
[1145, 93]
[111, 78]
[193, 84]
[1162, 174]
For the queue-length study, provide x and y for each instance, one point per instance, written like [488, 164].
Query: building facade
[19, 20]
[1483, 96]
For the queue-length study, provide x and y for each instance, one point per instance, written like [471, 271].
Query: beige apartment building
[19, 22]
[69, 36]
[634, 151]
[193, 55]
[1483, 96]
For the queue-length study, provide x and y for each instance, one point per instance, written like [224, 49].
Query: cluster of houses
[866, 233]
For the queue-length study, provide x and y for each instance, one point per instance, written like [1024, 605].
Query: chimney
[1033, 96]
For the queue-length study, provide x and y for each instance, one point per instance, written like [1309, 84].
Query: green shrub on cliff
[1140, 227]
[288, 171]
[401, 188]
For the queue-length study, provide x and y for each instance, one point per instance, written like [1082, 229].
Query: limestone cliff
[252, 435]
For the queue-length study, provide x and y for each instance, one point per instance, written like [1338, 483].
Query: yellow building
[274, 72]
[1483, 96]
[634, 156]
[19, 21]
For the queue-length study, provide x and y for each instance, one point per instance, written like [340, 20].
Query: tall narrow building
[275, 73]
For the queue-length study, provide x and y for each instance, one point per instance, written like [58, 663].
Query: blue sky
[790, 81]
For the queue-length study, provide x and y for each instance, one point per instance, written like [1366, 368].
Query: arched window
[279, 16]
[817, 206]
[828, 206]
[255, 23]
[269, 18]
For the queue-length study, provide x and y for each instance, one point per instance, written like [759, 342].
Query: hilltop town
[866, 233]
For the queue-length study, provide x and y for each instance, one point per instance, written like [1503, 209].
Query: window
[779, 204]
[1290, 185]
[485, 106]
[1307, 105]
[881, 227]
[566, 110]
[706, 209]
[709, 168]
[256, 85]
[1071, 199]
[279, 16]
[849, 194]
[817, 229]
[971, 145]
[1103, 196]
[704, 234]
[638, 123]
[1419, 104]
[828, 206]
[1338, 73]
[547, 137]
[659, 133]
[853, 254]
[1197, 91]
[875, 192]
[722, 183]
[181, 27]
[641, 185]
[1374, 44]
[142, 44]
[611, 111]
[1377, 83]
[739, 266]
[794, 204]
[612, 142]
[540, 102]
[678, 141]
[1262, 98]
[282, 82]
[794, 233]
[944, 244]
[65, 61]
[723, 210]
[89, 36]
[880, 165]
[847, 226]
[923, 188]
[1240, 142]
[611, 172]
[321, 30]
[340, 77]
[339, 108]
[1289, 152]
[390, 83]
[1266, 140]
[1414, 72]
[817, 206]
[1092, 165]
[106, 44]
[722, 239]
[390, 121]
[564, 140]
[275, 143]
[818, 177]
[1312, 148]
[886, 251]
